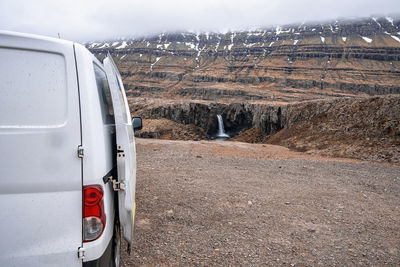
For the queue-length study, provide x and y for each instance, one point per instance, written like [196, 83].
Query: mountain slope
[277, 65]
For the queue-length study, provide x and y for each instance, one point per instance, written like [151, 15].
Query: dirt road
[229, 203]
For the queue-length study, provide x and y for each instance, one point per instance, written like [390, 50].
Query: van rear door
[41, 174]
[126, 151]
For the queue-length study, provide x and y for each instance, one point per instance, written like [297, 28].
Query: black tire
[116, 246]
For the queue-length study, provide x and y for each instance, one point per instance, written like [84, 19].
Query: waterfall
[221, 130]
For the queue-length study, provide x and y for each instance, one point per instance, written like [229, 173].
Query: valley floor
[231, 203]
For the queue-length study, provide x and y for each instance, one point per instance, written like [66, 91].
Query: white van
[67, 155]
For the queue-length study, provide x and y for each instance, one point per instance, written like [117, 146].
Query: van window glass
[33, 89]
[105, 95]
[121, 100]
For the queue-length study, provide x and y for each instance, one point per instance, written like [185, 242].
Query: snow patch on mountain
[123, 45]
[394, 37]
[368, 40]
[390, 20]
[151, 66]
[374, 19]
[191, 45]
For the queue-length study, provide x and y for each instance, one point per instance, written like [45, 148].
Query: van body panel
[126, 151]
[41, 182]
[98, 140]
[39, 230]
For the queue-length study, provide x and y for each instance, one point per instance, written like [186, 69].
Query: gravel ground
[230, 203]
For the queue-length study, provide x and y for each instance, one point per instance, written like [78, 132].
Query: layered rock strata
[283, 64]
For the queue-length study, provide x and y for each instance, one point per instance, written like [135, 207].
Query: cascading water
[221, 130]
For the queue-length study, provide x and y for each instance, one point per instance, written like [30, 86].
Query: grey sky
[100, 19]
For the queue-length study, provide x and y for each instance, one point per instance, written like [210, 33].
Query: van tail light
[94, 218]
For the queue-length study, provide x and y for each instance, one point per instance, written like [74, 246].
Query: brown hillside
[362, 129]
[284, 64]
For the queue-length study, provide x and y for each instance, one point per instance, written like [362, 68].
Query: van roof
[25, 37]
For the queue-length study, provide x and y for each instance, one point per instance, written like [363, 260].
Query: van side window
[121, 100]
[104, 95]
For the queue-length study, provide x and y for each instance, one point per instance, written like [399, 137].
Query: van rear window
[33, 88]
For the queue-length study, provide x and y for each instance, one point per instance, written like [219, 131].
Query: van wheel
[116, 246]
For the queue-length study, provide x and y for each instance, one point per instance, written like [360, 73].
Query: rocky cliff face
[366, 129]
[277, 65]
[363, 128]
[239, 117]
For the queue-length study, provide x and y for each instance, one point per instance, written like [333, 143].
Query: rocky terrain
[261, 205]
[311, 87]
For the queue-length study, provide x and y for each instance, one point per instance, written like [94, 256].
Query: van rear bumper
[105, 260]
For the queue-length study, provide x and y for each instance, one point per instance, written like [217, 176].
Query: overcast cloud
[100, 19]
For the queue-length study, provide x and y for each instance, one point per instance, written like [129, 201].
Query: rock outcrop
[272, 118]
[367, 128]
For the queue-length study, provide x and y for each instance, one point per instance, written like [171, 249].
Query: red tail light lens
[93, 195]
[94, 217]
